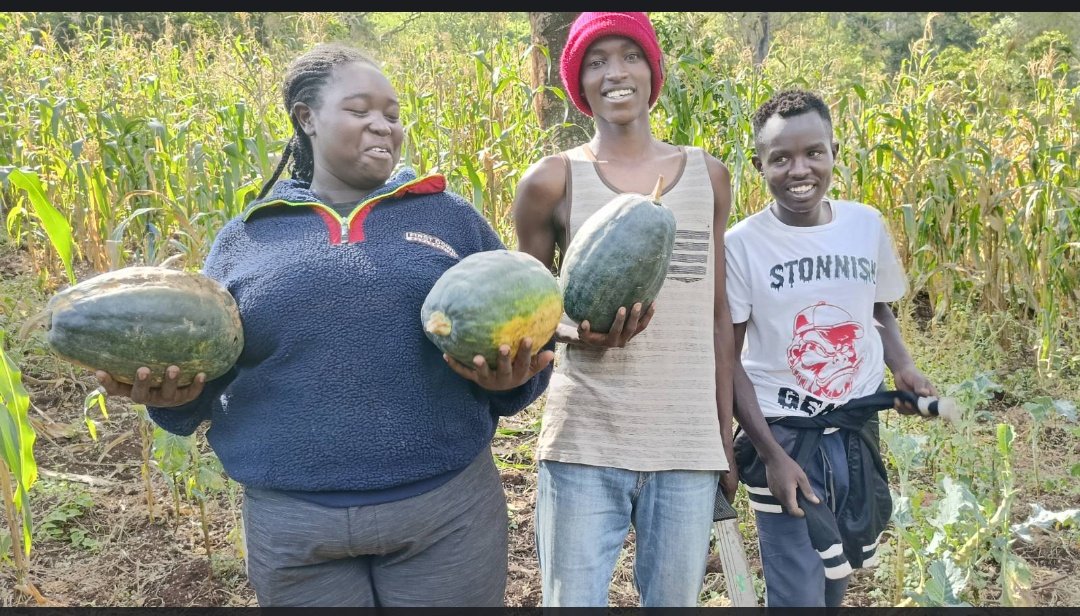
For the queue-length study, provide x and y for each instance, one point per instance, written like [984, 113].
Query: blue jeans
[794, 571]
[583, 514]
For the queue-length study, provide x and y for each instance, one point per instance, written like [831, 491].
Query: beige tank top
[651, 405]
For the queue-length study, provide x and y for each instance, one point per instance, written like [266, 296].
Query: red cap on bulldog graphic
[824, 317]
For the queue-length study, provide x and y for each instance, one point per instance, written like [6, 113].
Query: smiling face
[616, 80]
[355, 131]
[796, 155]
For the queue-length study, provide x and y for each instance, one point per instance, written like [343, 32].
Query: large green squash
[147, 316]
[489, 299]
[618, 257]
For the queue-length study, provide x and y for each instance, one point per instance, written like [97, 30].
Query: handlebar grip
[941, 407]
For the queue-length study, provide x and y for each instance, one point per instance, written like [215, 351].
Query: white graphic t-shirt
[807, 295]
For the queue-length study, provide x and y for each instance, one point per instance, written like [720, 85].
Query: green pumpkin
[618, 257]
[489, 299]
[147, 316]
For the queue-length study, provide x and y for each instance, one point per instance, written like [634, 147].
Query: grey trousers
[444, 548]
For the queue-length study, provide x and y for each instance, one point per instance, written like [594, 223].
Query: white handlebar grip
[927, 406]
[947, 410]
[941, 407]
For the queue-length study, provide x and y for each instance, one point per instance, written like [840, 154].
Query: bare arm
[538, 201]
[746, 408]
[898, 359]
[784, 476]
[723, 336]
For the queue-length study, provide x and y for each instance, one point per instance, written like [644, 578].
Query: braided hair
[304, 82]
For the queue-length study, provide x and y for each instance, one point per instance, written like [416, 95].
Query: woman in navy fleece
[364, 452]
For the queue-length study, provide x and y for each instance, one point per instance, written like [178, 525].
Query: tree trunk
[550, 30]
[762, 48]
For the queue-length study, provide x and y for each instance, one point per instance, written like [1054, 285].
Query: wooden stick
[737, 577]
[87, 479]
[1050, 582]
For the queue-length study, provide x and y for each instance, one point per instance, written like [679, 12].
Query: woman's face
[355, 131]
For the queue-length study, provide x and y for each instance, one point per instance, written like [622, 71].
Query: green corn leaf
[17, 438]
[96, 398]
[54, 223]
[13, 219]
[91, 427]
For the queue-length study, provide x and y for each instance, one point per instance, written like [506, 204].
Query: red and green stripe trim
[426, 185]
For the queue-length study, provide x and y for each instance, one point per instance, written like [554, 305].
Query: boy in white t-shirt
[808, 281]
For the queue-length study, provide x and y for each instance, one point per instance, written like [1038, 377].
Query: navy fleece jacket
[337, 387]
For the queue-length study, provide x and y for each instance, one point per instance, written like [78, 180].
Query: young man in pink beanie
[637, 427]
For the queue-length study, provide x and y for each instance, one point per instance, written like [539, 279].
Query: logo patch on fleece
[430, 240]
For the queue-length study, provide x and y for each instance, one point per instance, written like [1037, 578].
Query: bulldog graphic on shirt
[822, 353]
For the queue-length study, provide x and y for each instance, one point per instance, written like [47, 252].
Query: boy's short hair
[789, 103]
